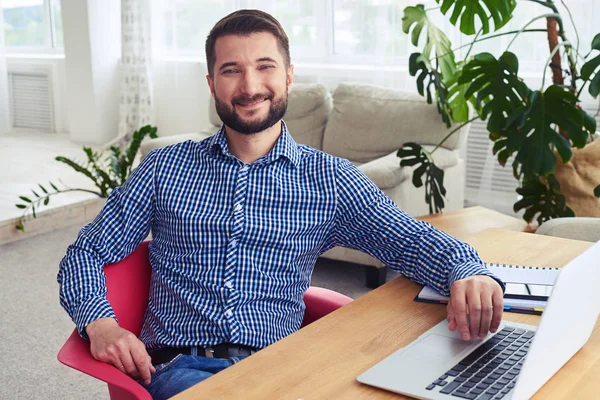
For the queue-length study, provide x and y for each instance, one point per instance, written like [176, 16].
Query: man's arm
[119, 228]
[369, 221]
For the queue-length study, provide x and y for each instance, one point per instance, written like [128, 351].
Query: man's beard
[233, 120]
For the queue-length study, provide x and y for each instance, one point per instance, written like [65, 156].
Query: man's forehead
[259, 45]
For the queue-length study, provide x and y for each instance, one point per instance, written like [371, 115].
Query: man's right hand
[117, 346]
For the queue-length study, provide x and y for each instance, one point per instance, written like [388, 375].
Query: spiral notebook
[527, 288]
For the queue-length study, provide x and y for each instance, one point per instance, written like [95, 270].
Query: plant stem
[572, 23]
[543, 3]
[558, 46]
[473, 43]
[489, 37]
[553, 15]
[452, 133]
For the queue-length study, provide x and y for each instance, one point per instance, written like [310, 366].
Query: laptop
[514, 362]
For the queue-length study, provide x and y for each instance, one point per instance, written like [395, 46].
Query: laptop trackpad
[437, 348]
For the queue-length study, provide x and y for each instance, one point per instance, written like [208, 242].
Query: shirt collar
[284, 147]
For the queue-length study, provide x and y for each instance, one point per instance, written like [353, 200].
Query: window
[33, 26]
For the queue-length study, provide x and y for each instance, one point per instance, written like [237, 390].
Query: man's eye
[264, 67]
[230, 71]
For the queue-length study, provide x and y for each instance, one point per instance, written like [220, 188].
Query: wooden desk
[323, 360]
[466, 222]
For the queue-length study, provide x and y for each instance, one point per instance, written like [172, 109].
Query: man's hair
[245, 23]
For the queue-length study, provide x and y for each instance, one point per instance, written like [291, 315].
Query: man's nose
[250, 84]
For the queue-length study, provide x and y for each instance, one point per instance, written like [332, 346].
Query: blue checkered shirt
[234, 245]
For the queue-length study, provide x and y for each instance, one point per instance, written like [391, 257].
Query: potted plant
[107, 173]
[536, 126]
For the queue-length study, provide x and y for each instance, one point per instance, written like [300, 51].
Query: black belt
[223, 350]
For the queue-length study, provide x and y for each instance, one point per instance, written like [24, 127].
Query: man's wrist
[98, 325]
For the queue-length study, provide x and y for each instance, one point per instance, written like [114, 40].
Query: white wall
[181, 97]
[4, 112]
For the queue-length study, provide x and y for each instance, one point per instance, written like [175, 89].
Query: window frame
[50, 41]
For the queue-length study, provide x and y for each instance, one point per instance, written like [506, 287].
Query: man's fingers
[142, 361]
[129, 365]
[459, 306]
[474, 305]
[451, 320]
[486, 314]
[498, 307]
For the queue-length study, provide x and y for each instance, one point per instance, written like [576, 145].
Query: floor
[27, 160]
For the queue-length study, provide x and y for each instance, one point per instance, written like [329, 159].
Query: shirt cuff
[90, 311]
[471, 268]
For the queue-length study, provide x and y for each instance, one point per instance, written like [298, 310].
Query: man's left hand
[480, 297]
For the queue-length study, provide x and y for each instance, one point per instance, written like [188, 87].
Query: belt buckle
[209, 352]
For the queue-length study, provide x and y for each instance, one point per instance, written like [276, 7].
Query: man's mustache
[243, 100]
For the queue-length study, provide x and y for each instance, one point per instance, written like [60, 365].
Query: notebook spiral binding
[520, 266]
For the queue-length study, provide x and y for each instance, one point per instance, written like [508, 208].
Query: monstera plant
[532, 127]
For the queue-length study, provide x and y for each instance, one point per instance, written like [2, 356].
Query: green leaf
[589, 67]
[54, 187]
[596, 42]
[36, 195]
[415, 65]
[46, 201]
[416, 17]
[597, 191]
[413, 155]
[21, 206]
[43, 189]
[19, 226]
[26, 199]
[458, 104]
[498, 88]
[538, 137]
[33, 211]
[595, 86]
[501, 11]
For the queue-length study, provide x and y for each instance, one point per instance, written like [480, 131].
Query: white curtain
[136, 107]
[5, 124]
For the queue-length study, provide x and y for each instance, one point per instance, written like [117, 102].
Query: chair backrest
[128, 283]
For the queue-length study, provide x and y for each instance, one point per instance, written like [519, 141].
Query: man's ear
[211, 85]
[290, 75]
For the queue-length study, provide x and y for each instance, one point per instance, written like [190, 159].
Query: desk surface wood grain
[322, 360]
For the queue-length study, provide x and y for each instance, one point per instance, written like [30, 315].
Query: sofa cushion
[309, 106]
[386, 172]
[368, 122]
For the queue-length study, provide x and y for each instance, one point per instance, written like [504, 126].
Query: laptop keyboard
[491, 370]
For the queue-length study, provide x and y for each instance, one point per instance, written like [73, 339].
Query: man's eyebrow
[233, 63]
[227, 64]
[269, 59]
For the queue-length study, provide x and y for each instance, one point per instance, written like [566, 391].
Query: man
[238, 221]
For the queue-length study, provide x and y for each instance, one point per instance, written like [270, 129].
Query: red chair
[128, 282]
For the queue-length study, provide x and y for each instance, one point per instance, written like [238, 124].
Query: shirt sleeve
[368, 221]
[119, 228]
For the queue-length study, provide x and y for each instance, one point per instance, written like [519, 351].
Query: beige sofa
[366, 125]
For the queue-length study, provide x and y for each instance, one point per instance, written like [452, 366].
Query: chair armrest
[577, 228]
[75, 353]
[386, 172]
[320, 302]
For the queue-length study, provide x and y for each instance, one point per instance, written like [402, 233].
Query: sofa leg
[375, 276]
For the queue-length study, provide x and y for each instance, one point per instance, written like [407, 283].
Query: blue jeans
[183, 372]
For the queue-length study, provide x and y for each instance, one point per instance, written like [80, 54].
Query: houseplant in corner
[535, 126]
[106, 171]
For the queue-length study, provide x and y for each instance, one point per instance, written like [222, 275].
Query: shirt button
[228, 285]
[228, 313]
[238, 207]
